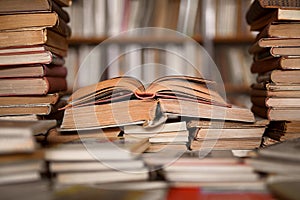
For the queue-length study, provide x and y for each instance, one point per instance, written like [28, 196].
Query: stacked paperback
[98, 161]
[21, 159]
[32, 50]
[276, 59]
[170, 135]
[280, 163]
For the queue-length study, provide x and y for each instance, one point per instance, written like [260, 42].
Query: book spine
[55, 84]
[55, 71]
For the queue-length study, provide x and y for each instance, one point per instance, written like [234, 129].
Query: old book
[176, 137]
[276, 15]
[226, 144]
[56, 137]
[35, 20]
[228, 133]
[99, 177]
[37, 70]
[280, 30]
[262, 43]
[287, 150]
[18, 136]
[285, 51]
[64, 3]
[284, 63]
[163, 147]
[32, 86]
[277, 114]
[280, 77]
[91, 149]
[121, 97]
[31, 109]
[21, 163]
[276, 87]
[206, 124]
[185, 158]
[45, 99]
[32, 48]
[277, 94]
[260, 8]
[92, 166]
[19, 6]
[33, 37]
[25, 128]
[166, 127]
[42, 57]
[274, 166]
[276, 102]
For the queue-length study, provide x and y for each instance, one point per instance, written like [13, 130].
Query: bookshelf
[188, 17]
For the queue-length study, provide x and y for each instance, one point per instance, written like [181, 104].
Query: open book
[125, 100]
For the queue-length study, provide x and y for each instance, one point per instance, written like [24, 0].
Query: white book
[100, 177]
[19, 177]
[167, 127]
[57, 167]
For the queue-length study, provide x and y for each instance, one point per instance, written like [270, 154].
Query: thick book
[89, 166]
[32, 86]
[27, 6]
[277, 114]
[25, 128]
[274, 87]
[285, 63]
[31, 49]
[215, 124]
[277, 94]
[37, 70]
[31, 109]
[124, 100]
[226, 144]
[262, 43]
[45, 99]
[33, 37]
[166, 127]
[70, 178]
[276, 15]
[280, 77]
[280, 30]
[228, 133]
[35, 20]
[38, 57]
[287, 150]
[101, 149]
[276, 102]
[260, 8]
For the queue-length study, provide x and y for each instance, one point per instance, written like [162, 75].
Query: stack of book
[98, 161]
[124, 101]
[228, 135]
[32, 50]
[21, 160]
[218, 170]
[276, 60]
[280, 163]
[171, 135]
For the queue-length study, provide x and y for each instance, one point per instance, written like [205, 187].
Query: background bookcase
[218, 25]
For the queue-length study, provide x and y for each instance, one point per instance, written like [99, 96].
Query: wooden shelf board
[97, 40]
